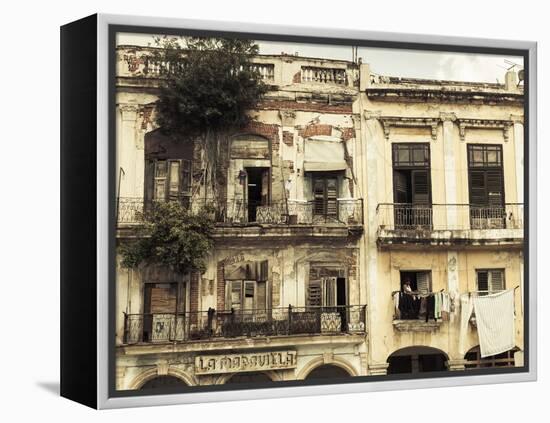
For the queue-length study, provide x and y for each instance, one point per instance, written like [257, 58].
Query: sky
[389, 62]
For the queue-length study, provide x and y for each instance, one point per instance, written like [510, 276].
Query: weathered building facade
[444, 189]
[281, 296]
[342, 185]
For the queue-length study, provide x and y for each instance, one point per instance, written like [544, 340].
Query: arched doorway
[417, 360]
[327, 371]
[163, 382]
[475, 361]
[252, 377]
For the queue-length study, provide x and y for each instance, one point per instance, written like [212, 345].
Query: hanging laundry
[466, 308]
[495, 322]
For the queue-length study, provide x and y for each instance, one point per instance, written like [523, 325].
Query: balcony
[236, 217]
[324, 75]
[413, 314]
[449, 224]
[223, 325]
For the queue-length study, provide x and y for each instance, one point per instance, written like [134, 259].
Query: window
[412, 186]
[325, 195]
[490, 280]
[246, 295]
[168, 179]
[326, 286]
[486, 182]
[419, 281]
[411, 155]
[474, 360]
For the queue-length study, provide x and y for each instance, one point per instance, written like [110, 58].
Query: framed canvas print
[254, 211]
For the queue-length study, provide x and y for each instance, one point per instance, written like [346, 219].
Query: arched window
[475, 361]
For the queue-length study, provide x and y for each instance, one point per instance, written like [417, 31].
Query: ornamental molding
[129, 111]
[517, 119]
[503, 125]
[409, 122]
[287, 117]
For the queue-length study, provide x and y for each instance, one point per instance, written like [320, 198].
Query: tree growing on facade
[208, 89]
[174, 237]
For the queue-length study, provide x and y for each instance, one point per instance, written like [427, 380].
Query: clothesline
[417, 292]
[474, 292]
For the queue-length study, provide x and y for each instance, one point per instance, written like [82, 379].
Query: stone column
[126, 152]
[378, 369]
[456, 365]
[450, 170]
[119, 377]
[518, 144]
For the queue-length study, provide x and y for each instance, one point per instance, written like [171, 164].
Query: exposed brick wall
[306, 106]
[220, 289]
[313, 130]
[288, 138]
[194, 296]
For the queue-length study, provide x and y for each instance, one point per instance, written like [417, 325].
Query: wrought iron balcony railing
[211, 324]
[346, 211]
[437, 217]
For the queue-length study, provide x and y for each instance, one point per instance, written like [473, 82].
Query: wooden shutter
[423, 282]
[332, 196]
[495, 190]
[319, 196]
[161, 172]
[420, 181]
[261, 295]
[163, 298]
[400, 191]
[496, 280]
[478, 192]
[482, 281]
[174, 179]
[186, 175]
[234, 297]
[314, 293]
[149, 181]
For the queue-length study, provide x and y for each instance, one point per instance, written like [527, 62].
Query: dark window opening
[163, 382]
[416, 363]
[412, 186]
[257, 189]
[414, 296]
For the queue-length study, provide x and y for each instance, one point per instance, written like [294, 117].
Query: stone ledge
[416, 325]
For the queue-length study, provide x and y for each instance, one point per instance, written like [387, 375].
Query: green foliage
[209, 84]
[174, 237]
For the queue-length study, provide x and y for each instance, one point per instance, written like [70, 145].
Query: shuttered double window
[325, 195]
[167, 179]
[486, 183]
[246, 295]
[322, 292]
[490, 280]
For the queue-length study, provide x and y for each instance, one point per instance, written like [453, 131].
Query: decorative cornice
[409, 122]
[504, 125]
[372, 114]
[447, 117]
[517, 119]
